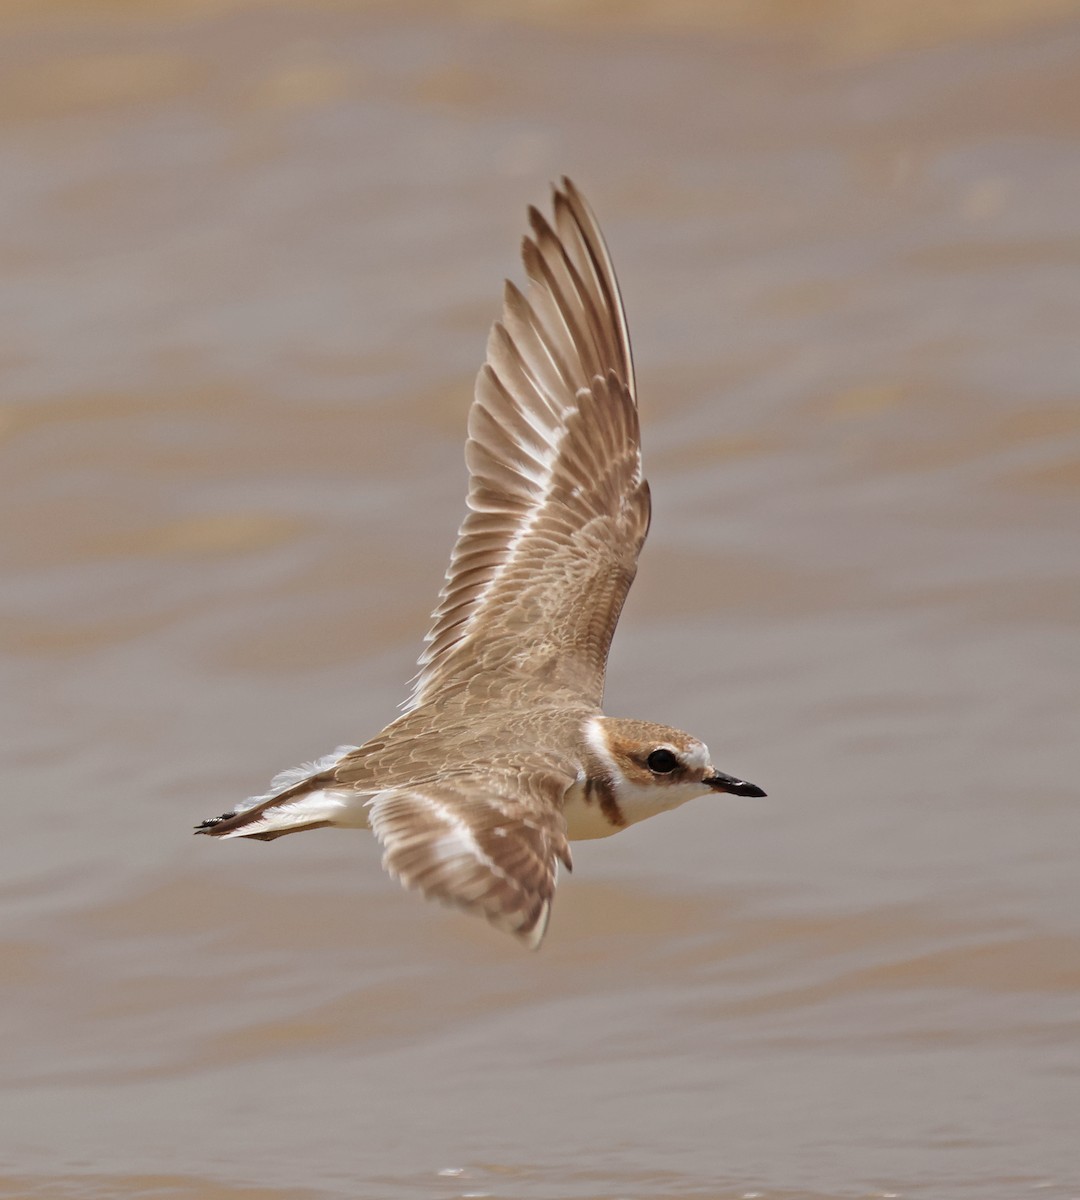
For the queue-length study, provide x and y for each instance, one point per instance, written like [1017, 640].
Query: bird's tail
[281, 815]
[304, 798]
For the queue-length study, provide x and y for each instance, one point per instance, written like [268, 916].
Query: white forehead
[696, 754]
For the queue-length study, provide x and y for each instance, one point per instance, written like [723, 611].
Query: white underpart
[585, 820]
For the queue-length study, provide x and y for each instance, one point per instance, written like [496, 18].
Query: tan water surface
[248, 257]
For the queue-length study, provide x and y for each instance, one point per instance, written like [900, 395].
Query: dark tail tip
[211, 823]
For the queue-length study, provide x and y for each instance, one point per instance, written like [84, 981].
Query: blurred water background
[249, 253]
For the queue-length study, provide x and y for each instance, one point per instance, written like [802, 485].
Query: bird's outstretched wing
[489, 843]
[558, 505]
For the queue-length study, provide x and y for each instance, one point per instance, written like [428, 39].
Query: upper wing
[488, 842]
[559, 508]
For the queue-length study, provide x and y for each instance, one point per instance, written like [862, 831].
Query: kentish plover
[502, 754]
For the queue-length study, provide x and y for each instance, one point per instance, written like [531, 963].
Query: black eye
[662, 762]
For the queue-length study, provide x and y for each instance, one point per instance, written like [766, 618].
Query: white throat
[607, 801]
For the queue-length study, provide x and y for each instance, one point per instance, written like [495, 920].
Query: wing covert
[558, 507]
[490, 844]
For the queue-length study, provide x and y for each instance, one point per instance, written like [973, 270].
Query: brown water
[248, 257]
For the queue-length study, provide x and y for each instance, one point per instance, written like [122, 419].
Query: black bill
[737, 787]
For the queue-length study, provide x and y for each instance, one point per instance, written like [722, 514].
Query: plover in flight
[502, 754]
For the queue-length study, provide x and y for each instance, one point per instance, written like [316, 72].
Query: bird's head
[651, 769]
